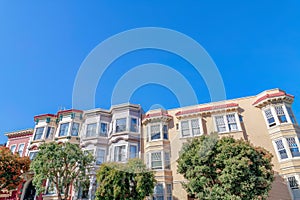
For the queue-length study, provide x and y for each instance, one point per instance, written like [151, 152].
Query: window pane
[158, 192]
[50, 133]
[63, 131]
[75, 129]
[293, 182]
[121, 125]
[38, 133]
[281, 149]
[103, 129]
[185, 129]
[165, 131]
[120, 153]
[291, 114]
[100, 157]
[232, 122]
[155, 132]
[21, 148]
[32, 155]
[133, 125]
[270, 118]
[280, 113]
[91, 130]
[220, 123]
[293, 147]
[156, 162]
[133, 151]
[195, 127]
[13, 148]
[167, 160]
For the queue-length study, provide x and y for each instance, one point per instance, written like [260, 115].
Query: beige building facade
[126, 131]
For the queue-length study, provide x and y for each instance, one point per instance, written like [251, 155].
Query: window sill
[229, 132]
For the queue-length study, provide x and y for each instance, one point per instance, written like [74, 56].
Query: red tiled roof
[44, 115]
[156, 115]
[278, 94]
[68, 111]
[196, 110]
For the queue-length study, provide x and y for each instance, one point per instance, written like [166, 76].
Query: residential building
[125, 131]
[17, 142]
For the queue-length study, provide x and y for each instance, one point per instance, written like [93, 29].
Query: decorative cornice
[20, 133]
[267, 98]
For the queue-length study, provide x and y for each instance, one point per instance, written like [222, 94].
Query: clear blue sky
[255, 44]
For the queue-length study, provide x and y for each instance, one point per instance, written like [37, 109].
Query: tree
[62, 165]
[12, 166]
[225, 169]
[130, 181]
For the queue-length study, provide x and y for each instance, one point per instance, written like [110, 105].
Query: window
[75, 129]
[156, 160]
[103, 129]
[50, 188]
[100, 157]
[270, 117]
[133, 125]
[155, 132]
[64, 128]
[50, 133]
[165, 131]
[120, 125]
[167, 160]
[32, 155]
[293, 147]
[281, 149]
[280, 114]
[232, 125]
[291, 114]
[120, 153]
[38, 133]
[185, 128]
[227, 123]
[13, 148]
[221, 126]
[158, 192]
[21, 149]
[195, 127]
[293, 182]
[169, 191]
[133, 151]
[91, 130]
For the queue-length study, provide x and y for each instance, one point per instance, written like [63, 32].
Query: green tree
[130, 181]
[225, 169]
[62, 164]
[12, 166]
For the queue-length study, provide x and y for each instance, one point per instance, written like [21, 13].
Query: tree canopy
[62, 165]
[225, 169]
[130, 181]
[12, 166]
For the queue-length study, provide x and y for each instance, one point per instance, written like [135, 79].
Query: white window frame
[125, 153]
[169, 193]
[107, 129]
[150, 133]
[53, 133]
[296, 146]
[137, 124]
[104, 156]
[285, 145]
[87, 130]
[158, 195]
[71, 131]
[126, 125]
[129, 151]
[42, 136]
[22, 149]
[190, 127]
[161, 167]
[224, 115]
[67, 132]
[30, 152]
[15, 147]
[296, 177]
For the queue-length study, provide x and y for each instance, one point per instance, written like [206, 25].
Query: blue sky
[255, 45]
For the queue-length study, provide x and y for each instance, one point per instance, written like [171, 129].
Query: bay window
[155, 132]
[158, 193]
[75, 129]
[50, 132]
[293, 182]
[169, 191]
[100, 156]
[279, 114]
[165, 131]
[133, 153]
[281, 149]
[133, 125]
[103, 129]
[13, 148]
[293, 146]
[156, 160]
[21, 149]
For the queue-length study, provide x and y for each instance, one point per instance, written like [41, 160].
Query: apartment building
[125, 131]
